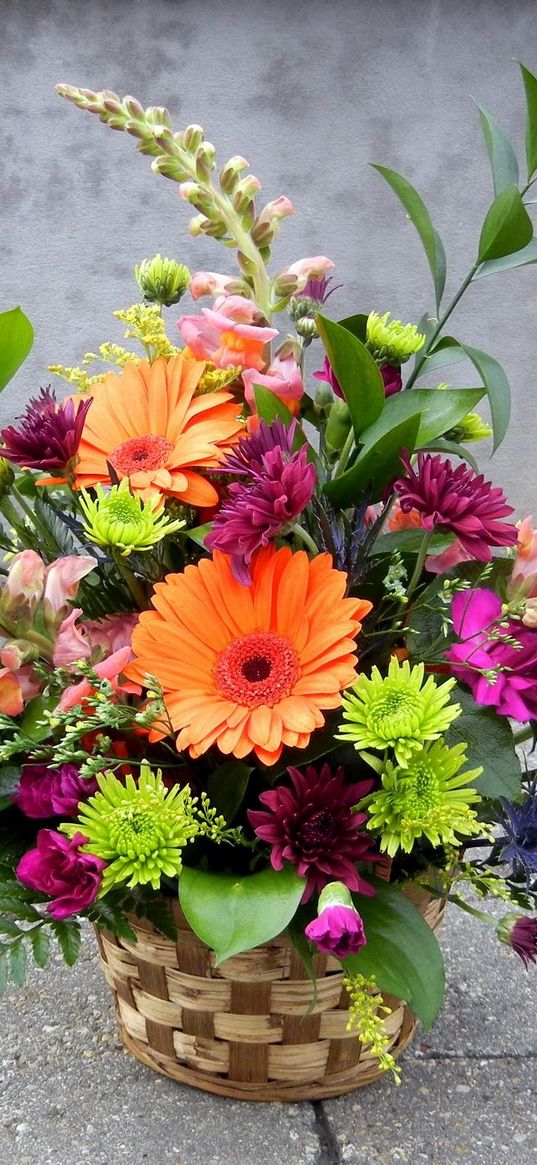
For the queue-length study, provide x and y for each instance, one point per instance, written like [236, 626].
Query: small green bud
[307, 328]
[7, 477]
[162, 281]
[301, 306]
[339, 422]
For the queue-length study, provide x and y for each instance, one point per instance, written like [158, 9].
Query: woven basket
[241, 1030]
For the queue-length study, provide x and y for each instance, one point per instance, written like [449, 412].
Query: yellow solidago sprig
[140, 828]
[390, 341]
[119, 520]
[367, 1015]
[145, 324]
[429, 798]
[398, 711]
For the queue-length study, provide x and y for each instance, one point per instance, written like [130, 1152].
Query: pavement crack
[476, 1056]
[329, 1148]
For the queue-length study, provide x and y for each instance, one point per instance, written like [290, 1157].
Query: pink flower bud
[338, 930]
[277, 209]
[523, 581]
[61, 584]
[23, 587]
[309, 268]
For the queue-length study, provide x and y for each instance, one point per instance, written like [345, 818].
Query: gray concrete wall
[310, 92]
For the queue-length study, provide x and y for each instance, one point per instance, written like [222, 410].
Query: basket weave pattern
[241, 1029]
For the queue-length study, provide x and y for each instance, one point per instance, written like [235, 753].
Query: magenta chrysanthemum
[458, 501]
[49, 434]
[311, 825]
[278, 486]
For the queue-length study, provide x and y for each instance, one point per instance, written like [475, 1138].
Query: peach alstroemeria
[211, 283]
[110, 669]
[17, 683]
[93, 639]
[227, 335]
[523, 581]
[283, 378]
[61, 584]
[23, 588]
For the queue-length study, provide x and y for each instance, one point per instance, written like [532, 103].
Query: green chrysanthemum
[390, 341]
[138, 826]
[397, 711]
[427, 798]
[471, 428]
[120, 520]
[162, 281]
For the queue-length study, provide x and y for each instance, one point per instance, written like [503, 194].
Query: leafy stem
[440, 325]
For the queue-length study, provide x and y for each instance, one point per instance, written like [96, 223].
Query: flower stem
[418, 569]
[306, 538]
[345, 452]
[441, 323]
[128, 576]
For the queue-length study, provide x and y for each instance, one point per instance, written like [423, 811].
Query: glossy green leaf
[270, 408]
[530, 87]
[490, 743]
[376, 466]
[439, 411]
[16, 339]
[498, 391]
[68, 935]
[198, 534]
[419, 215]
[3, 972]
[520, 259]
[357, 324]
[494, 379]
[40, 942]
[355, 369]
[503, 162]
[410, 542]
[507, 227]
[402, 952]
[33, 722]
[443, 354]
[227, 786]
[233, 914]
[452, 449]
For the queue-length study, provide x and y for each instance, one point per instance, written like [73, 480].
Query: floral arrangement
[269, 636]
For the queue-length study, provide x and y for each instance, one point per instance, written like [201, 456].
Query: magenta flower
[328, 376]
[520, 933]
[337, 931]
[44, 792]
[458, 501]
[499, 674]
[312, 826]
[49, 434]
[391, 377]
[57, 868]
[228, 335]
[281, 486]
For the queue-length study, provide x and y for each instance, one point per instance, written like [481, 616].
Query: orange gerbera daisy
[148, 425]
[249, 668]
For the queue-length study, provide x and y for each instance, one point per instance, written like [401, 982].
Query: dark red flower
[49, 434]
[520, 933]
[312, 826]
[458, 501]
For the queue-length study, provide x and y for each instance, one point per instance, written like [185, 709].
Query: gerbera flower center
[259, 668]
[318, 829]
[140, 454]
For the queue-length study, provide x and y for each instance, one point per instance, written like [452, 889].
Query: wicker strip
[246, 1029]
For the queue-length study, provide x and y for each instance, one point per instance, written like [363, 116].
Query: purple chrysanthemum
[247, 457]
[312, 826]
[280, 487]
[49, 434]
[519, 841]
[519, 932]
[457, 501]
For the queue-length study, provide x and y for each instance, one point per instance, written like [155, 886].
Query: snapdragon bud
[162, 281]
[192, 137]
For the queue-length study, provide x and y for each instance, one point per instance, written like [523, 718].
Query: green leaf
[452, 449]
[498, 391]
[269, 406]
[439, 410]
[40, 943]
[198, 534]
[357, 324]
[376, 466]
[530, 87]
[444, 353]
[9, 928]
[9, 779]
[16, 339]
[33, 715]
[507, 226]
[358, 375]
[227, 786]
[17, 964]
[419, 215]
[520, 259]
[503, 162]
[410, 542]
[402, 951]
[490, 743]
[233, 914]
[3, 972]
[69, 940]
